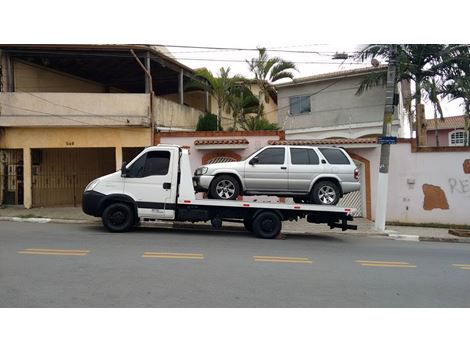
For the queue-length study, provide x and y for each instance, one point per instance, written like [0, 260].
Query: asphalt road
[65, 265]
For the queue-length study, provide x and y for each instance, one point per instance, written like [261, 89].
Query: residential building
[450, 131]
[71, 113]
[327, 106]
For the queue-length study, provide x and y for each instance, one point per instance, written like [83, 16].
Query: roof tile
[221, 141]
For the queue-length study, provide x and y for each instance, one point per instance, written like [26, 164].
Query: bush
[207, 122]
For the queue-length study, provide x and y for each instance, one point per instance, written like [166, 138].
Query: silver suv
[319, 175]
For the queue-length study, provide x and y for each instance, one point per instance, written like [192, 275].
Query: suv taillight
[356, 174]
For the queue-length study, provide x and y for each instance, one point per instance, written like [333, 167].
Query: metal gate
[221, 159]
[60, 175]
[355, 199]
[11, 176]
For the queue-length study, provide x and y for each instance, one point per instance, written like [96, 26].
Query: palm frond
[374, 79]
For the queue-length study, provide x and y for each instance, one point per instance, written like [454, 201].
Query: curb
[46, 220]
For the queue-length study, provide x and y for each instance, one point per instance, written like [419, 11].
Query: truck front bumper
[91, 203]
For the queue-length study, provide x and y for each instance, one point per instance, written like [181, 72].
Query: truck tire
[325, 193]
[118, 217]
[224, 187]
[267, 224]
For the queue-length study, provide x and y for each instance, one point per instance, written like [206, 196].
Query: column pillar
[118, 154]
[27, 179]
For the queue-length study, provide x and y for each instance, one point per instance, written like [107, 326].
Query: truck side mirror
[254, 161]
[123, 169]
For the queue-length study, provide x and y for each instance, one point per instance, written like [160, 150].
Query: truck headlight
[201, 171]
[92, 185]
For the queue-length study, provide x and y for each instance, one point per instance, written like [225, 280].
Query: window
[335, 156]
[299, 105]
[457, 138]
[303, 156]
[271, 156]
[153, 163]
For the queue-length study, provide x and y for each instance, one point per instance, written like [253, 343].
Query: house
[450, 132]
[326, 106]
[71, 113]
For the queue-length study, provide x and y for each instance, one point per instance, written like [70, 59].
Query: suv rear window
[303, 156]
[335, 156]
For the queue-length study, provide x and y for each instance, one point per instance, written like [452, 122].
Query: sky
[295, 25]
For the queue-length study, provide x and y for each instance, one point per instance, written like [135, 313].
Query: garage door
[60, 175]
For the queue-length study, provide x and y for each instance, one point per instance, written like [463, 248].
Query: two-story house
[71, 113]
[327, 106]
[450, 132]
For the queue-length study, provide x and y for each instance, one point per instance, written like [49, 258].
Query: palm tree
[414, 62]
[433, 91]
[267, 71]
[219, 87]
[242, 103]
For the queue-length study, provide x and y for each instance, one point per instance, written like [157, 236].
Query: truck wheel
[267, 225]
[325, 193]
[248, 224]
[224, 187]
[118, 217]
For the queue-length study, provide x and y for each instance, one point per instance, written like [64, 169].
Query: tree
[242, 103]
[433, 91]
[415, 62]
[267, 71]
[219, 87]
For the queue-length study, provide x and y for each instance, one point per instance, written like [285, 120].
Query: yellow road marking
[466, 265]
[380, 262]
[390, 265]
[462, 266]
[51, 253]
[58, 250]
[284, 261]
[269, 257]
[181, 254]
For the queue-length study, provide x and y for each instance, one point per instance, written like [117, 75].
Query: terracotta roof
[325, 141]
[331, 75]
[221, 141]
[449, 123]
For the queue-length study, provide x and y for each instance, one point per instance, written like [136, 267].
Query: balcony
[73, 109]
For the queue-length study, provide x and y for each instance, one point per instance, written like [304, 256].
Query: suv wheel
[325, 193]
[224, 187]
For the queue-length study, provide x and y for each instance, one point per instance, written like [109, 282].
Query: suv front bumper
[202, 183]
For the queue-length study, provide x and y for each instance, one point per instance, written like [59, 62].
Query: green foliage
[256, 123]
[207, 122]
[242, 103]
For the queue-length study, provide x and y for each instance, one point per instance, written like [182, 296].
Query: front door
[150, 181]
[269, 173]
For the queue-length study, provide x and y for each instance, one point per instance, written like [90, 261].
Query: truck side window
[137, 168]
[303, 156]
[157, 163]
[271, 156]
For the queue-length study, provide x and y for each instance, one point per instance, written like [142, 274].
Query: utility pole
[382, 184]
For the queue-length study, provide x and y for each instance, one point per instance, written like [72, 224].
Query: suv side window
[335, 156]
[303, 156]
[271, 156]
[154, 163]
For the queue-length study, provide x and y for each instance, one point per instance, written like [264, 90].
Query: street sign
[386, 140]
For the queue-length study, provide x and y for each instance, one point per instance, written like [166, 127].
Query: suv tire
[224, 187]
[325, 193]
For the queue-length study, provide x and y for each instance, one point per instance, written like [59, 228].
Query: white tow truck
[157, 185]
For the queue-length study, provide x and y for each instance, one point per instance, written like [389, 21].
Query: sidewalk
[302, 227]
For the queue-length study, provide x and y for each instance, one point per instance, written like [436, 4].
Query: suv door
[303, 168]
[267, 171]
[149, 182]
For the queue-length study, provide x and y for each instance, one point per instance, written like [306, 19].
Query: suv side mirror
[123, 169]
[254, 160]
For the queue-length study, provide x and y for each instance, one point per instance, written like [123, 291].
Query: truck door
[151, 182]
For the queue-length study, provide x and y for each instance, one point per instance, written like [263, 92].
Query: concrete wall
[170, 114]
[74, 109]
[332, 105]
[424, 187]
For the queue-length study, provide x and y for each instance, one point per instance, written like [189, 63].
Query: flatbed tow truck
[157, 185]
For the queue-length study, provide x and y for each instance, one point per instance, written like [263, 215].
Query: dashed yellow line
[167, 255]
[462, 266]
[55, 251]
[385, 264]
[260, 258]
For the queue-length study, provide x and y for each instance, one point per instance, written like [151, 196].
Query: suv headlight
[201, 171]
[92, 185]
